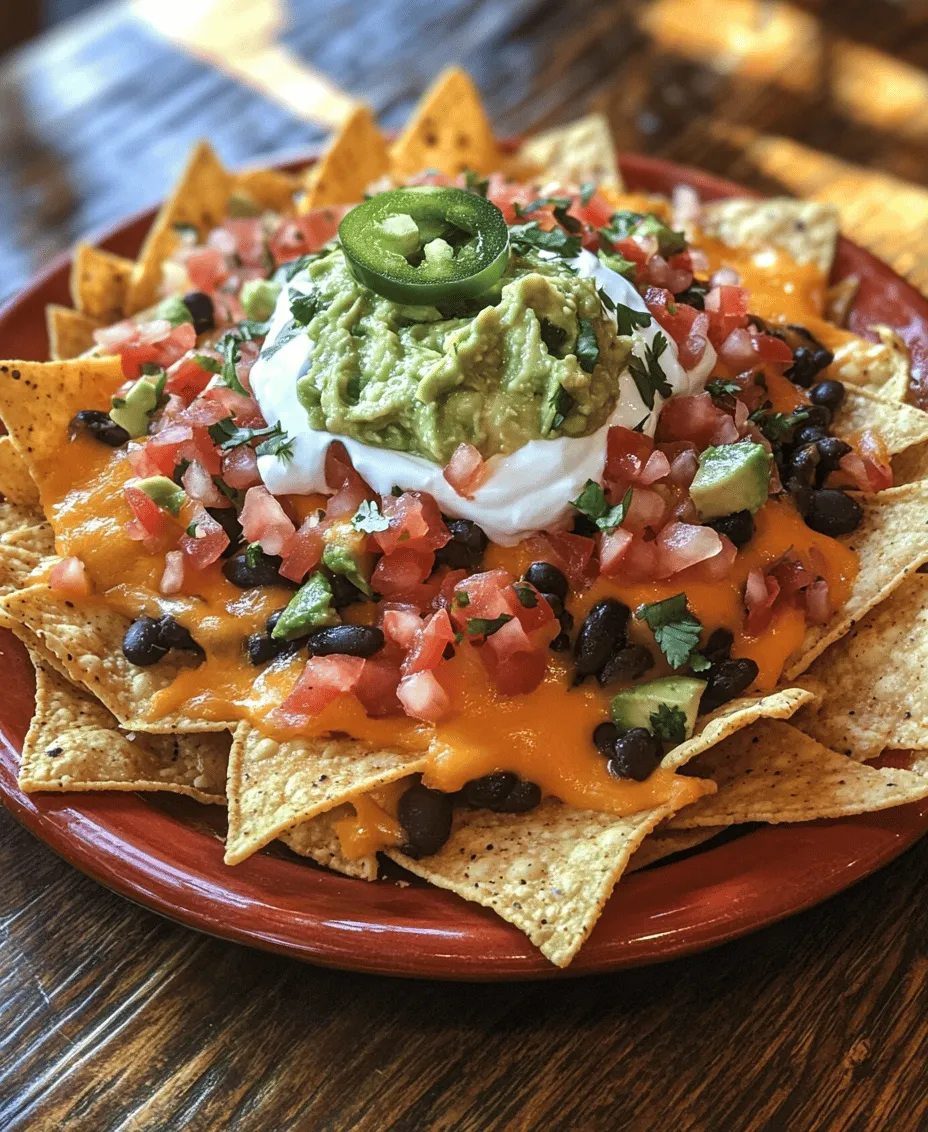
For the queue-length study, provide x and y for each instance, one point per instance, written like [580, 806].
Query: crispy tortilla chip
[16, 518]
[663, 843]
[449, 131]
[881, 367]
[807, 231]
[912, 465]
[840, 299]
[548, 872]
[355, 157]
[777, 773]
[86, 640]
[874, 681]
[99, 282]
[73, 743]
[898, 425]
[580, 151]
[731, 717]
[275, 785]
[37, 399]
[267, 188]
[16, 484]
[892, 542]
[200, 200]
[17, 567]
[318, 839]
[70, 332]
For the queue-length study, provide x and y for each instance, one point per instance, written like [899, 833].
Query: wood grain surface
[112, 1018]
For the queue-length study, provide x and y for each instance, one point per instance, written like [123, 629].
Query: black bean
[602, 633]
[523, 797]
[345, 640]
[261, 648]
[201, 310]
[829, 393]
[100, 426]
[228, 520]
[718, 646]
[808, 363]
[565, 620]
[604, 738]
[547, 578]
[271, 622]
[727, 680]
[808, 434]
[142, 645]
[174, 636]
[738, 526]
[488, 791]
[637, 755]
[425, 816]
[263, 573]
[344, 593]
[802, 467]
[466, 547]
[561, 643]
[626, 663]
[830, 451]
[817, 415]
[585, 526]
[833, 513]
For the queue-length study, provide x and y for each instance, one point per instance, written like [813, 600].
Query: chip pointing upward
[355, 157]
[449, 132]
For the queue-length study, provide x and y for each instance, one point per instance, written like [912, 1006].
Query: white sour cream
[527, 491]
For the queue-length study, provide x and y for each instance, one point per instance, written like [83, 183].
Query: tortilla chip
[898, 425]
[840, 299]
[580, 151]
[874, 681]
[267, 188]
[70, 333]
[449, 131]
[731, 717]
[318, 839]
[86, 640]
[275, 785]
[881, 367]
[73, 743]
[912, 465]
[99, 282]
[891, 542]
[807, 231]
[199, 200]
[548, 872]
[16, 484]
[17, 568]
[663, 843]
[777, 773]
[37, 399]
[16, 517]
[355, 157]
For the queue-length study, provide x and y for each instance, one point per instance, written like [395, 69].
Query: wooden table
[111, 1018]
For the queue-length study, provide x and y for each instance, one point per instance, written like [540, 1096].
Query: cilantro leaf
[587, 348]
[648, 375]
[304, 308]
[587, 189]
[606, 299]
[211, 365]
[719, 389]
[486, 626]
[526, 594]
[639, 427]
[618, 263]
[625, 224]
[566, 221]
[368, 518]
[292, 330]
[774, 425]
[592, 502]
[288, 271]
[675, 629]
[231, 353]
[228, 435]
[279, 445]
[563, 403]
[253, 555]
[669, 723]
[627, 319]
[529, 237]
[476, 183]
[699, 663]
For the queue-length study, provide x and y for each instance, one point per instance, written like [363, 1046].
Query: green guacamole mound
[497, 375]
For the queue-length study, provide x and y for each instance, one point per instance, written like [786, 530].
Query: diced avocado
[732, 477]
[310, 608]
[259, 297]
[164, 492]
[174, 309]
[400, 234]
[344, 554]
[641, 706]
[133, 411]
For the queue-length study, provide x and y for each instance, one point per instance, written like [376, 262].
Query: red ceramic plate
[166, 857]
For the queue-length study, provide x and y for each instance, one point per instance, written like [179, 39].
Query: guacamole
[533, 359]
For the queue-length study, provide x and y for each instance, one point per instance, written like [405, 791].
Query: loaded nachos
[458, 505]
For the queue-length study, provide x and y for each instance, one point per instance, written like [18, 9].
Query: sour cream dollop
[526, 491]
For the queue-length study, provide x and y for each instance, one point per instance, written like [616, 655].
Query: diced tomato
[203, 411]
[485, 596]
[401, 571]
[377, 686]
[694, 418]
[876, 460]
[727, 308]
[515, 665]
[714, 569]
[465, 470]
[206, 267]
[572, 554]
[198, 484]
[791, 575]
[303, 551]
[245, 410]
[687, 326]
[206, 544]
[170, 445]
[612, 550]
[627, 453]
[684, 464]
[415, 523]
[247, 240]
[264, 521]
[423, 697]
[726, 433]
[150, 522]
[240, 468]
[172, 580]
[760, 594]
[532, 616]
[681, 545]
[295, 236]
[772, 351]
[646, 508]
[402, 626]
[324, 679]
[507, 194]
[187, 378]
[348, 488]
[445, 595]
[818, 603]
[429, 646]
[639, 563]
[69, 576]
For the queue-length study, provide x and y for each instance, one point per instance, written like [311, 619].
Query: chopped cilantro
[639, 427]
[625, 224]
[563, 403]
[211, 365]
[279, 445]
[462, 599]
[526, 595]
[617, 263]
[671, 308]
[592, 502]
[587, 189]
[675, 629]
[566, 221]
[587, 348]
[648, 375]
[529, 237]
[368, 518]
[253, 555]
[476, 183]
[719, 389]
[251, 328]
[228, 435]
[288, 271]
[627, 319]
[231, 354]
[304, 308]
[699, 663]
[669, 723]
[606, 299]
[774, 425]
[486, 626]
